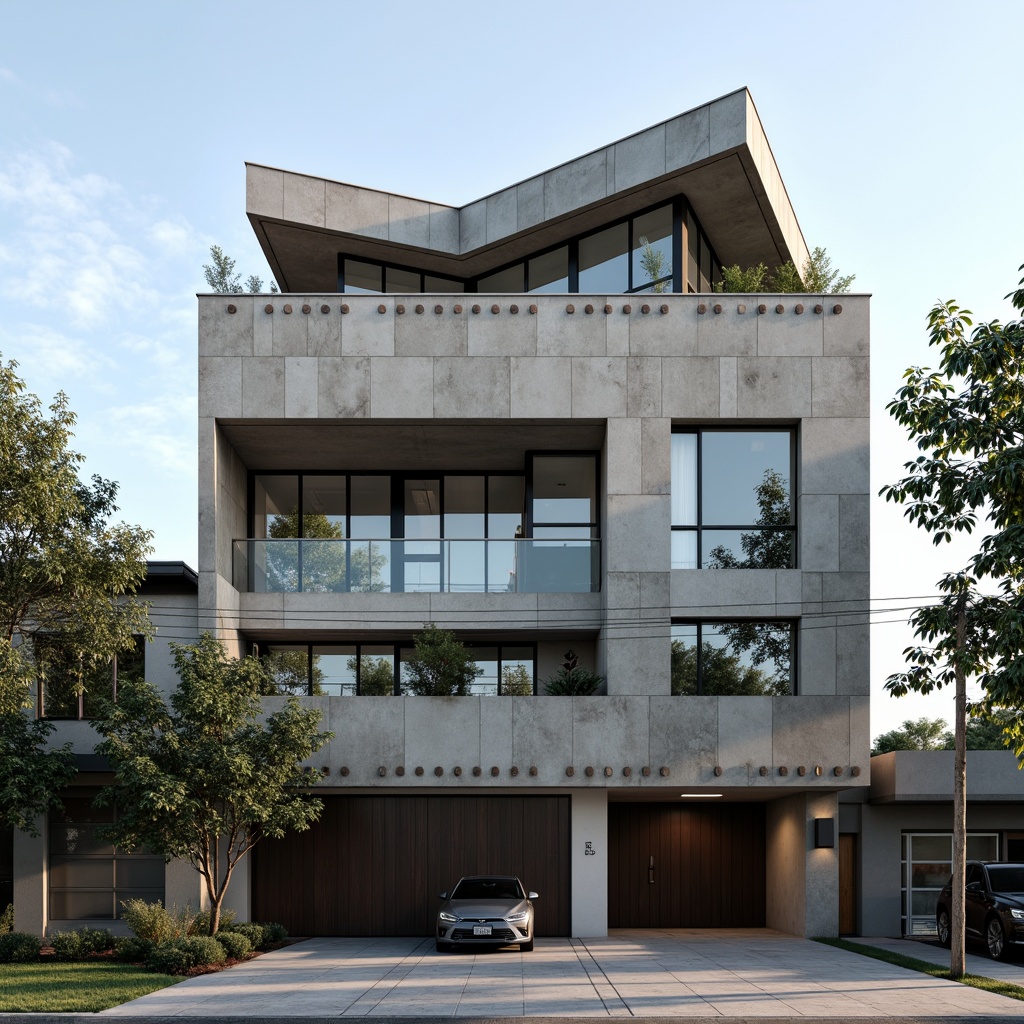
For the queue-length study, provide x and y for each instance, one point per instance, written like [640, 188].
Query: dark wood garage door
[373, 865]
[686, 866]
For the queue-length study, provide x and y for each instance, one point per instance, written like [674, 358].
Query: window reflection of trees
[763, 548]
[755, 660]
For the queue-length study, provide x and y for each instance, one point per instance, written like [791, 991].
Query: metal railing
[313, 566]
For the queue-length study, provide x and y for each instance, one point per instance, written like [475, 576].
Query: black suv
[994, 907]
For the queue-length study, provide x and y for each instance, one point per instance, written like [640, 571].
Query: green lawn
[1000, 988]
[74, 988]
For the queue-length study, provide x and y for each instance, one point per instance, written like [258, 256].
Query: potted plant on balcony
[440, 665]
[572, 680]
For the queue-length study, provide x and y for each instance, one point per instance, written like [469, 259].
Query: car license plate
[481, 929]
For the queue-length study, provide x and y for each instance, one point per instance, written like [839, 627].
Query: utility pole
[956, 949]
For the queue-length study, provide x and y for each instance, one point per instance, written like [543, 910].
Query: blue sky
[124, 128]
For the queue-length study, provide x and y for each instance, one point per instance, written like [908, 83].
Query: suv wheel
[995, 939]
[942, 927]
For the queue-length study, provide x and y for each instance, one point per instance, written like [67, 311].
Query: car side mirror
[974, 887]
[442, 895]
[532, 896]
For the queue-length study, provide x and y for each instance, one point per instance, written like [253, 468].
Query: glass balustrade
[315, 566]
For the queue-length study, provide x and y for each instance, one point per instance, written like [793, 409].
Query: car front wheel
[942, 926]
[995, 939]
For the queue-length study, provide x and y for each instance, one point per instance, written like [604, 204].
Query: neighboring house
[897, 836]
[530, 420]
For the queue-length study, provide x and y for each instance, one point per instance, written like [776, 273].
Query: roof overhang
[716, 154]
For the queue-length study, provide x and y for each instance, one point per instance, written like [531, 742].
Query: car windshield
[488, 889]
[1006, 878]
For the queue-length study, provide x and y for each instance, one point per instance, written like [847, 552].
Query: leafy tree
[572, 679]
[67, 580]
[440, 666]
[221, 277]
[376, 676]
[207, 777]
[656, 264]
[916, 734]
[768, 547]
[516, 681]
[324, 569]
[967, 421]
[817, 276]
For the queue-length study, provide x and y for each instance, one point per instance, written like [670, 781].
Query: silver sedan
[485, 910]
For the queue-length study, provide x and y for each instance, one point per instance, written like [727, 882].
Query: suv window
[975, 874]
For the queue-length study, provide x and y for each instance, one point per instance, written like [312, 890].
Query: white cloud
[52, 361]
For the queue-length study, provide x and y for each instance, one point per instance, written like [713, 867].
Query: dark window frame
[700, 525]
[794, 631]
[680, 208]
[81, 716]
[397, 647]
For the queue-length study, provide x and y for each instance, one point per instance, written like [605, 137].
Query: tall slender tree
[967, 421]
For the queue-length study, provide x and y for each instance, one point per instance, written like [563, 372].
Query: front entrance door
[686, 866]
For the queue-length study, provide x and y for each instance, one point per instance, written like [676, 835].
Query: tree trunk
[957, 935]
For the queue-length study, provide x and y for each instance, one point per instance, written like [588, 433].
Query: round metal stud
[741, 308]
[819, 308]
[855, 771]
[645, 771]
[513, 309]
[664, 309]
[533, 310]
[533, 770]
[287, 308]
[798, 308]
[439, 771]
[495, 771]
[570, 771]
[476, 771]
[382, 771]
[306, 308]
[382, 308]
[609, 308]
[495, 308]
[818, 769]
[645, 309]
[438, 308]
[762, 771]
[419, 769]
[717, 307]
[344, 307]
[702, 309]
[400, 309]
[780, 308]
[457, 771]
[268, 308]
[400, 770]
[325, 308]
[588, 308]
[837, 309]
[513, 771]
[570, 308]
[664, 772]
[456, 309]
[762, 308]
[627, 771]
[837, 771]
[589, 771]
[232, 309]
[783, 771]
[343, 771]
[475, 308]
[419, 307]
[627, 309]
[801, 771]
[607, 773]
[718, 771]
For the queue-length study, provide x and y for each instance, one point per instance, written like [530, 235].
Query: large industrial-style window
[379, 669]
[661, 249]
[88, 877]
[733, 659]
[70, 689]
[732, 499]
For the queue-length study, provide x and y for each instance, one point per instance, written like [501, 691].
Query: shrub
[235, 944]
[132, 950]
[68, 946]
[571, 680]
[440, 665]
[156, 922]
[19, 948]
[7, 920]
[252, 931]
[96, 940]
[273, 934]
[178, 956]
[201, 923]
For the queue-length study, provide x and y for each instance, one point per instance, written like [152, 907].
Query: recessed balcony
[390, 566]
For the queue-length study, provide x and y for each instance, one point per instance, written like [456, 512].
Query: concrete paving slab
[742, 974]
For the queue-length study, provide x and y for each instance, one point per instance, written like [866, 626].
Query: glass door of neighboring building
[927, 863]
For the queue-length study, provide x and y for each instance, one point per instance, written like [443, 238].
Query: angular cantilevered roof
[717, 155]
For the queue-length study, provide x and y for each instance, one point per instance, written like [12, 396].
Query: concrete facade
[312, 380]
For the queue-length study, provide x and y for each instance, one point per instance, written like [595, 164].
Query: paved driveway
[735, 973]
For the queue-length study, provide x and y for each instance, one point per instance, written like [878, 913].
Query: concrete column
[30, 880]
[589, 839]
[802, 882]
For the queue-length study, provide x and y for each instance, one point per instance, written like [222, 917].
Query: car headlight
[520, 918]
[447, 918]
[1017, 915]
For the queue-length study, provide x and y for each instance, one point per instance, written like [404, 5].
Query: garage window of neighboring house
[726, 659]
[732, 499]
[89, 879]
[67, 689]
[926, 866]
[378, 670]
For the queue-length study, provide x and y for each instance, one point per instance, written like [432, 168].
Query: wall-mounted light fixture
[824, 833]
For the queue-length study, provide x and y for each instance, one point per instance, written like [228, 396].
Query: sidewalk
[741, 973]
[933, 953]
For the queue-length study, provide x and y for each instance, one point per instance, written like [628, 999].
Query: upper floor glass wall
[661, 249]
